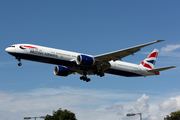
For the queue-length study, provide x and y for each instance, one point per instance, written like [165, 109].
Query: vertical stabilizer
[150, 61]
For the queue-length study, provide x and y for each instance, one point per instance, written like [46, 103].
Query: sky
[91, 27]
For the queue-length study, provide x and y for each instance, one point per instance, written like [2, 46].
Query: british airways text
[43, 53]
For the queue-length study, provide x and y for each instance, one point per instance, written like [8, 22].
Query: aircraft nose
[9, 50]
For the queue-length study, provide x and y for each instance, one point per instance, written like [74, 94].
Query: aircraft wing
[118, 55]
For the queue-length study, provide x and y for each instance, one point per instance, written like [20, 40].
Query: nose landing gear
[19, 64]
[19, 59]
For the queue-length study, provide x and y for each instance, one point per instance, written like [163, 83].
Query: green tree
[61, 115]
[173, 116]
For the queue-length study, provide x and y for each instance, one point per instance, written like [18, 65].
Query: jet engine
[85, 60]
[61, 71]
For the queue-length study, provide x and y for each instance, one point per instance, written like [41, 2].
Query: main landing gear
[99, 73]
[19, 59]
[85, 78]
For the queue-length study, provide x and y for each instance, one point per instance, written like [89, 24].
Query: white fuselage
[67, 58]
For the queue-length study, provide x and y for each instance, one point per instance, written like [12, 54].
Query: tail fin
[150, 61]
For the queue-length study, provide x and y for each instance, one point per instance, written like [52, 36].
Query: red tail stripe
[154, 54]
[146, 65]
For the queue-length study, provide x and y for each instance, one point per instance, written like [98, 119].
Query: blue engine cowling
[85, 60]
[61, 71]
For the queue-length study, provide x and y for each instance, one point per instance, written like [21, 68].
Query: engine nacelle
[61, 71]
[85, 60]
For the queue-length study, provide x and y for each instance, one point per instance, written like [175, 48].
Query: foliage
[61, 115]
[173, 116]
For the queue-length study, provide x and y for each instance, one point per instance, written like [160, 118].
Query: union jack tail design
[150, 61]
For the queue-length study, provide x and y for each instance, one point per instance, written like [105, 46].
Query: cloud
[89, 104]
[116, 108]
[142, 104]
[169, 51]
[85, 103]
[172, 104]
[155, 117]
[170, 48]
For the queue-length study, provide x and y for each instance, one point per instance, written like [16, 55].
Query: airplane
[77, 63]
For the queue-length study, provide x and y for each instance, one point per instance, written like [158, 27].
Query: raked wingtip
[160, 40]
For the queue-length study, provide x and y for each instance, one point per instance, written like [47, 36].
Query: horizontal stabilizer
[161, 69]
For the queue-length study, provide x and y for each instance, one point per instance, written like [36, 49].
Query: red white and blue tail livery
[150, 61]
[72, 63]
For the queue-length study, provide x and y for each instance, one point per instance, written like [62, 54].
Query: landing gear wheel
[88, 79]
[99, 73]
[81, 78]
[102, 74]
[19, 59]
[19, 64]
[84, 78]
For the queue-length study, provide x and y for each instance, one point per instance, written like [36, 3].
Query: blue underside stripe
[70, 64]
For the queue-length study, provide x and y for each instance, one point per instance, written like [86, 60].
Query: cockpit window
[12, 46]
